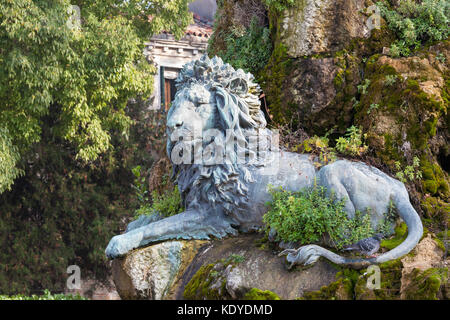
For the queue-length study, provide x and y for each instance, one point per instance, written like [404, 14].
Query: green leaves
[250, 49]
[352, 144]
[9, 156]
[416, 23]
[309, 215]
[46, 296]
[279, 5]
[167, 204]
[85, 76]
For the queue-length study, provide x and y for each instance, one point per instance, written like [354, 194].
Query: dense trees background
[68, 136]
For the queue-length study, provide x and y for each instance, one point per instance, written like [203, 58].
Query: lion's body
[226, 196]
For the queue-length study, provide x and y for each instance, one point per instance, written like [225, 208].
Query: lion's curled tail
[311, 253]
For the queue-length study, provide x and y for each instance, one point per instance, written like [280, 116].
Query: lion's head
[213, 97]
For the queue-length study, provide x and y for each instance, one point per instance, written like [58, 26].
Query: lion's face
[193, 110]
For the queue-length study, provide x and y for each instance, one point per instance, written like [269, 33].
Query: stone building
[169, 55]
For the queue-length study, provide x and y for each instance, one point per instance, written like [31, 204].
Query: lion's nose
[174, 124]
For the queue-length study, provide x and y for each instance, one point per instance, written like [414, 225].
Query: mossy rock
[199, 287]
[408, 123]
[391, 275]
[341, 289]
[401, 232]
[257, 294]
[426, 285]
[272, 81]
[209, 282]
[437, 210]
[434, 179]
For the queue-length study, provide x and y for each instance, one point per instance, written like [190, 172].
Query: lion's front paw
[118, 246]
[113, 249]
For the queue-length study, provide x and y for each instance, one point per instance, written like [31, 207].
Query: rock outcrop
[421, 275]
[152, 272]
[226, 269]
[322, 26]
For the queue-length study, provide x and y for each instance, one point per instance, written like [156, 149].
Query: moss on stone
[437, 210]
[273, 78]
[342, 289]
[257, 294]
[208, 282]
[405, 125]
[401, 232]
[434, 180]
[391, 274]
[426, 285]
[199, 286]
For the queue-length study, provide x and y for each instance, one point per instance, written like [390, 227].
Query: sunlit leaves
[85, 75]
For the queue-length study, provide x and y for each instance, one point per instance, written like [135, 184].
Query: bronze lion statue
[224, 158]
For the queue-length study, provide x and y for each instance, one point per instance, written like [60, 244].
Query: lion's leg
[332, 182]
[187, 225]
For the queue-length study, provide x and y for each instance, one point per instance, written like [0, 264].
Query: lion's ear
[227, 111]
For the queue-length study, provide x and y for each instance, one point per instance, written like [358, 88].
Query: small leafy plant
[167, 204]
[385, 227]
[373, 106]
[352, 144]
[390, 79]
[319, 146]
[139, 185]
[309, 215]
[362, 88]
[441, 58]
[410, 172]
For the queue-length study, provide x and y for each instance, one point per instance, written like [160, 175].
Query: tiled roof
[200, 28]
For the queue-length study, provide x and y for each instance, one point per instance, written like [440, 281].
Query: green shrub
[309, 215]
[167, 204]
[140, 185]
[249, 49]
[416, 23]
[352, 144]
[61, 212]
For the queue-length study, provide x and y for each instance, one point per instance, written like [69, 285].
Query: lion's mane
[224, 187]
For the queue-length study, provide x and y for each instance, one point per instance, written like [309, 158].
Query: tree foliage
[84, 75]
[247, 49]
[62, 212]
